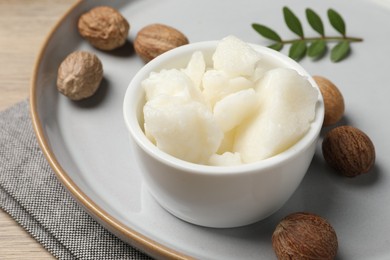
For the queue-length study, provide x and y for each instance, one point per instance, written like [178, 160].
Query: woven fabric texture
[32, 195]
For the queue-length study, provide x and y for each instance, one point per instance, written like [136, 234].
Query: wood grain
[24, 24]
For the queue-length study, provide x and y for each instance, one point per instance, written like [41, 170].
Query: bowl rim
[133, 95]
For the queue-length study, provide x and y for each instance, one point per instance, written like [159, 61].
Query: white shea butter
[239, 109]
[287, 108]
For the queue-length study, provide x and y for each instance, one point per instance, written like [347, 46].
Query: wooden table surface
[24, 24]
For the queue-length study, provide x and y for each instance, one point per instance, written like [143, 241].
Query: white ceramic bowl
[209, 195]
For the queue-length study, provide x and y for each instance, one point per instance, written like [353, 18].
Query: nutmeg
[333, 100]
[304, 236]
[104, 27]
[348, 150]
[155, 39]
[79, 75]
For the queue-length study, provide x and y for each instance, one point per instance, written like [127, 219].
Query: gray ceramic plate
[87, 144]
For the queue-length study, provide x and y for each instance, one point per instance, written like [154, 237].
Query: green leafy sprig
[314, 47]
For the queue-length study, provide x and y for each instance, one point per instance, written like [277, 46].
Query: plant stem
[325, 38]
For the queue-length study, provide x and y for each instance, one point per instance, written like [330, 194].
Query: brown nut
[79, 75]
[104, 27]
[156, 39]
[348, 150]
[333, 100]
[304, 236]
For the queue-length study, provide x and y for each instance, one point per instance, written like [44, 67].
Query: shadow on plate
[97, 98]
[125, 51]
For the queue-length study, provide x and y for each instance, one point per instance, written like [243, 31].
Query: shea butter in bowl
[223, 131]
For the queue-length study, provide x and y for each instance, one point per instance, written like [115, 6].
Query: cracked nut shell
[304, 236]
[79, 75]
[104, 27]
[348, 150]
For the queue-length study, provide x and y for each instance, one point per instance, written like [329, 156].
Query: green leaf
[336, 21]
[315, 21]
[292, 22]
[266, 32]
[340, 51]
[276, 46]
[297, 50]
[314, 47]
[317, 49]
